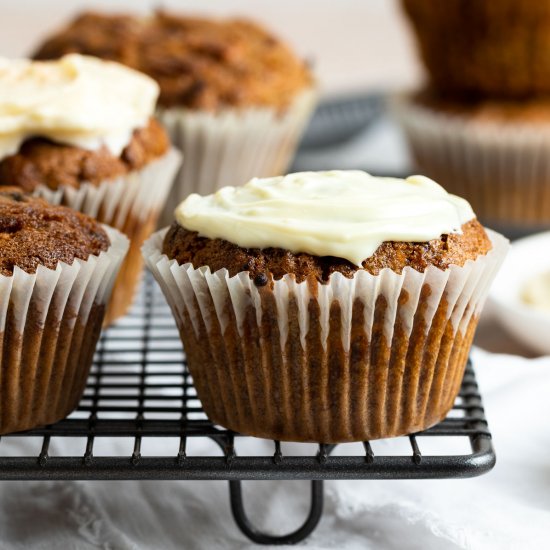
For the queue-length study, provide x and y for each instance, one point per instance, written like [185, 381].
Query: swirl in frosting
[76, 100]
[347, 214]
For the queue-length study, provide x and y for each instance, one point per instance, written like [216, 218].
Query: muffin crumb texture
[453, 249]
[199, 63]
[42, 162]
[34, 233]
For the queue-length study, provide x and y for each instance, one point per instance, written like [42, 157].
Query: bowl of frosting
[520, 295]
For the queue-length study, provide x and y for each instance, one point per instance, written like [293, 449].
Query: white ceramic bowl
[527, 258]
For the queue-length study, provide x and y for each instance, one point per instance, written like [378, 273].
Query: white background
[354, 44]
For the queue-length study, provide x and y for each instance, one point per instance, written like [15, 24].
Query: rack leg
[244, 524]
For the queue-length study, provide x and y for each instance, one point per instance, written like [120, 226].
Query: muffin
[495, 153]
[484, 48]
[234, 98]
[326, 307]
[79, 131]
[481, 124]
[57, 269]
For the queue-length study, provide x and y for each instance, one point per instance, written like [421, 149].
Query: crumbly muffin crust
[199, 63]
[484, 48]
[273, 263]
[33, 233]
[42, 162]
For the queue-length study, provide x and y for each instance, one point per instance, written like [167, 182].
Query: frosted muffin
[495, 153]
[57, 269]
[80, 132]
[484, 48]
[326, 307]
[234, 98]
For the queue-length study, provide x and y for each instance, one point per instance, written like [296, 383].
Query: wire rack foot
[255, 535]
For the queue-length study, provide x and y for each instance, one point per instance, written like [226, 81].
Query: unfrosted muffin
[80, 132]
[484, 48]
[326, 307]
[57, 268]
[494, 152]
[234, 97]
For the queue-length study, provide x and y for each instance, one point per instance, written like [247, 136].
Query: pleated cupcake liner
[502, 169]
[50, 322]
[232, 146]
[131, 204]
[355, 359]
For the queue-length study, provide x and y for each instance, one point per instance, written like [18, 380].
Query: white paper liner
[233, 146]
[502, 169]
[465, 289]
[41, 348]
[77, 285]
[136, 194]
[131, 204]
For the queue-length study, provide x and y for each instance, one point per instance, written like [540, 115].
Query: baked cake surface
[33, 233]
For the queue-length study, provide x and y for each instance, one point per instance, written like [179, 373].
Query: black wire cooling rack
[139, 389]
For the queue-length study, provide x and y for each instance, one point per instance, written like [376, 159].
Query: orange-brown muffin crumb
[42, 162]
[453, 249]
[199, 63]
[33, 233]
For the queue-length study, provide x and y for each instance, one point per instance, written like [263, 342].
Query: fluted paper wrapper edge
[502, 169]
[131, 204]
[354, 359]
[232, 146]
[50, 322]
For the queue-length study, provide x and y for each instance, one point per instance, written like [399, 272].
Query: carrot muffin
[484, 48]
[79, 131]
[57, 267]
[327, 307]
[494, 152]
[234, 97]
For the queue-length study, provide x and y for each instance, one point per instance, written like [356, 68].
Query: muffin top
[204, 64]
[79, 101]
[501, 111]
[312, 224]
[33, 233]
[74, 120]
[42, 162]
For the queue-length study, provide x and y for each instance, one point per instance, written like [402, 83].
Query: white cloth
[507, 508]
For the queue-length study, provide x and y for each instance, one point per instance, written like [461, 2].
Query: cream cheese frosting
[76, 100]
[347, 214]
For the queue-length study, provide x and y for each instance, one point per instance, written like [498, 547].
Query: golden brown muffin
[273, 263]
[318, 357]
[51, 318]
[484, 48]
[234, 99]
[493, 152]
[199, 63]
